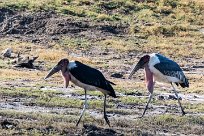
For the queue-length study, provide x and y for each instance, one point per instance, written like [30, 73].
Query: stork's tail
[113, 94]
[111, 82]
[185, 83]
[110, 89]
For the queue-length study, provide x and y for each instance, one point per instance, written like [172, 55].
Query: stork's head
[141, 64]
[61, 65]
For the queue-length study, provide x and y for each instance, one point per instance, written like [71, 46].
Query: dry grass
[198, 2]
[17, 74]
[52, 55]
[176, 46]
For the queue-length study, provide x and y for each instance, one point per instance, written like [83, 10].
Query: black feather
[111, 82]
[91, 76]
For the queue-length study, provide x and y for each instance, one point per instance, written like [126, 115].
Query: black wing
[171, 68]
[91, 76]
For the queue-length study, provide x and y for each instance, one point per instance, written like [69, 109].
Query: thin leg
[84, 108]
[183, 113]
[150, 97]
[105, 116]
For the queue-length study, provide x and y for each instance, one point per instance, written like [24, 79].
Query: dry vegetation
[34, 106]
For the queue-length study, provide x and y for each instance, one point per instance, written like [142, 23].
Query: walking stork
[159, 68]
[85, 77]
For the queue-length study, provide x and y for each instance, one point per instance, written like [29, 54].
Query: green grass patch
[195, 108]
[28, 92]
[70, 102]
[38, 116]
[59, 102]
[170, 121]
[92, 93]
[38, 123]
[3, 64]
[132, 100]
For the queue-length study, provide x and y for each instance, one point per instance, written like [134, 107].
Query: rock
[161, 97]
[198, 66]
[202, 30]
[27, 63]
[104, 53]
[117, 75]
[136, 93]
[6, 124]
[173, 97]
[7, 52]
[55, 38]
[168, 97]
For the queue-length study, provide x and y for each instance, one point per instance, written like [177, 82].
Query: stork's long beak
[138, 66]
[135, 69]
[54, 70]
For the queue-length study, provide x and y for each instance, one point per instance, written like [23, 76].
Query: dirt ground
[46, 29]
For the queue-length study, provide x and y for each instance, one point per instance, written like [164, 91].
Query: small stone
[117, 75]
[195, 96]
[27, 63]
[7, 124]
[7, 52]
[173, 97]
[55, 38]
[104, 53]
[165, 131]
[161, 97]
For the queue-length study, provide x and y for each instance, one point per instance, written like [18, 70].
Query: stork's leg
[150, 97]
[105, 116]
[150, 86]
[84, 108]
[183, 113]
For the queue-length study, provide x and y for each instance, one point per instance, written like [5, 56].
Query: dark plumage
[170, 68]
[85, 77]
[91, 76]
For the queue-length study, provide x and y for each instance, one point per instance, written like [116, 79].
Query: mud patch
[91, 130]
[8, 124]
[4, 13]
[192, 98]
[19, 106]
[202, 30]
[49, 26]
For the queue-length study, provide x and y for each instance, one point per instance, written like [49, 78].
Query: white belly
[82, 85]
[158, 76]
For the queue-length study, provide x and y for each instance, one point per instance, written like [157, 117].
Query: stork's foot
[144, 111]
[183, 113]
[106, 119]
[82, 113]
[141, 116]
[78, 123]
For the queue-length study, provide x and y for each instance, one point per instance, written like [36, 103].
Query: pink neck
[149, 79]
[66, 77]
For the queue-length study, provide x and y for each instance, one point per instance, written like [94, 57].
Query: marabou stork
[85, 77]
[160, 68]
